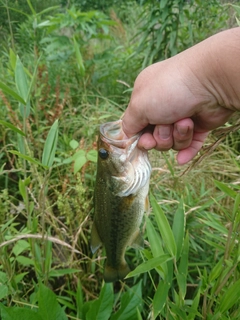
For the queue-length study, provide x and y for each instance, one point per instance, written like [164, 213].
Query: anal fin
[95, 239]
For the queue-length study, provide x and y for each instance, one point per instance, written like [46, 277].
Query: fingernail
[182, 130]
[164, 132]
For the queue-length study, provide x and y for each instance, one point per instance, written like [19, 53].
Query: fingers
[177, 136]
[180, 136]
[185, 155]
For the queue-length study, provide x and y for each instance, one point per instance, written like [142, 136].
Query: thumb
[133, 122]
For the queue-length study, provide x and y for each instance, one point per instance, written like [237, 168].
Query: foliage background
[66, 67]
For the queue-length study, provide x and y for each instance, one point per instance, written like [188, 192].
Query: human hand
[178, 101]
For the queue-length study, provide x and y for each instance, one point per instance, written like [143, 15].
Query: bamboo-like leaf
[12, 127]
[11, 92]
[50, 145]
[164, 227]
[223, 187]
[183, 268]
[149, 265]
[160, 297]
[178, 227]
[230, 297]
[21, 80]
[79, 58]
[12, 59]
[156, 245]
[30, 159]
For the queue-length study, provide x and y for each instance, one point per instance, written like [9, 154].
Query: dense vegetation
[66, 67]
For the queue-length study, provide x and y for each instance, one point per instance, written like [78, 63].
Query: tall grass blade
[178, 228]
[183, 268]
[22, 87]
[79, 58]
[230, 297]
[50, 146]
[12, 127]
[11, 92]
[156, 246]
[164, 227]
[160, 297]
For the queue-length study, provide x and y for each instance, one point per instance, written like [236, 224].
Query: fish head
[119, 158]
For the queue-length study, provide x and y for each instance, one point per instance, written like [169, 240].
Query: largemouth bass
[121, 197]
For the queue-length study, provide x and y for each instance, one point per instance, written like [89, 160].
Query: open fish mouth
[113, 133]
[138, 168]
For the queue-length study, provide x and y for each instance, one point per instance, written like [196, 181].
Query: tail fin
[113, 274]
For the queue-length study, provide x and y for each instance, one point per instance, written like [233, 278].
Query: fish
[121, 197]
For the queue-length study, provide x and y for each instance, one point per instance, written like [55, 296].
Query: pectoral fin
[95, 239]
[147, 205]
[137, 240]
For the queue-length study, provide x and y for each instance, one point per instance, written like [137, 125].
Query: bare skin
[178, 101]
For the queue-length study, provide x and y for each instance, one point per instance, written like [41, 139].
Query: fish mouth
[113, 134]
[138, 168]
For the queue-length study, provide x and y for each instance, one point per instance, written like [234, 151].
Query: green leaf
[17, 313]
[178, 228]
[3, 290]
[79, 58]
[12, 127]
[25, 261]
[18, 277]
[23, 156]
[160, 297]
[12, 59]
[130, 301]
[92, 155]
[149, 265]
[183, 268]
[62, 272]
[12, 93]
[21, 80]
[164, 227]
[236, 8]
[216, 271]
[31, 7]
[223, 187]
[49, 308]
[80, 160]
[79, 300]
[74, 144]
[102, 307]
[50, 145]
[156, 246]
[20, 246]
[230, 297]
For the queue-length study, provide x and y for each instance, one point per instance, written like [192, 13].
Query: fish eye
[103, 154]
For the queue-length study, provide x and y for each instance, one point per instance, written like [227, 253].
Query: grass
[47, 181]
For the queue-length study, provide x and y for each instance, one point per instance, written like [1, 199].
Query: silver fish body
[121, 197]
